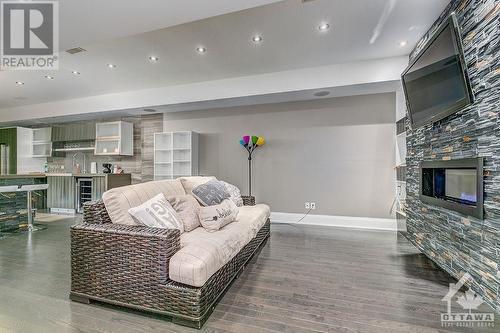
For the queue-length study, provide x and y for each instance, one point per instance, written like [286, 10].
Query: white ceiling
[92, 21]
[289, 28]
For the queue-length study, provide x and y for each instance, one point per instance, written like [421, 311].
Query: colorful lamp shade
[251, 142]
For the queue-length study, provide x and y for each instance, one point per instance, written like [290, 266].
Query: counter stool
[29, 194]
[7, 189]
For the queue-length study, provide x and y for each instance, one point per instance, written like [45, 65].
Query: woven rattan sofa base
[128, 266]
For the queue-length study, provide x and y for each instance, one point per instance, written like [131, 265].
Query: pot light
[19, 83]
[201, 49]
[75, 72]
[403, 43]
[257, 39]
[111, 66]
[48, 77]
[153, 58]
[324, 27]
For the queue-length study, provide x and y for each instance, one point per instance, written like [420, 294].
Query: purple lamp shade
[246, 139]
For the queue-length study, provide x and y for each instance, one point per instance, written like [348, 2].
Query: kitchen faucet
[84, 161]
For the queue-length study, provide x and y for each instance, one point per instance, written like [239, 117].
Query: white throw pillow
[157, 213]
[235, 194]
[213, 218]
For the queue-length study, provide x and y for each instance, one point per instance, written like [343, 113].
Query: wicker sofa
[128, 266]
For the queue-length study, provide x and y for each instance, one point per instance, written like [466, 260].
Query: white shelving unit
[175, 154]
[114, 138]
[41, 145]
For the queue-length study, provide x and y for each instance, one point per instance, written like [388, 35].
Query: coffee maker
[107, 167]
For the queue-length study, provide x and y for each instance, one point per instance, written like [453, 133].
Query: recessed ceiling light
[75, 72]
[201, 49]
[257, 39]
[153, 58]
[48, 77]
[403, 43]
[19, 83]
[324, 27]
[111, 65]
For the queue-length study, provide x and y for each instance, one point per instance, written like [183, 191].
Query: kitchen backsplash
[140, 165]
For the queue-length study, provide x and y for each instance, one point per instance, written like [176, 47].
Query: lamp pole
[250, 174]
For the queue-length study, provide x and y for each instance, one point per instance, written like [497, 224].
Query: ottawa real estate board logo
[469, 301]
[29, 35]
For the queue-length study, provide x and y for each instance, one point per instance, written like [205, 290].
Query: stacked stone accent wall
[459, 243]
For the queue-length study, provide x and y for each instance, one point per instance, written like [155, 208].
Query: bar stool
[29, 194]
[7, 189]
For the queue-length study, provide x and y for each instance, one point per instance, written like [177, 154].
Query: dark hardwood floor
[306, 279]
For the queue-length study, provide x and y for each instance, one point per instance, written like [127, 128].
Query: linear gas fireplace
[454, 184]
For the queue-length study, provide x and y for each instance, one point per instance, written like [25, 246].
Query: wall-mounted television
[436, 83]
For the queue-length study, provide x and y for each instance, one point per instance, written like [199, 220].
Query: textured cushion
[211, 193]
[215, 217]
[191, 182]
[234, 193]
[157, 213]
[119, 200]
[187, 208]
[203, 253]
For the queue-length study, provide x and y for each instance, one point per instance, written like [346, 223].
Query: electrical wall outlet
[307, 205]
[313, 205]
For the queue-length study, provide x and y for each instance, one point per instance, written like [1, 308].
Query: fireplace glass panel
[461, 185]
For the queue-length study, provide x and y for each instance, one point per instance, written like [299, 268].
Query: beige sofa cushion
[191, 182]
[119, 200]
[203, 253]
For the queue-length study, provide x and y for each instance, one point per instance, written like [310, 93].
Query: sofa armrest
[248, 200]
[95, 212]
[109, 259]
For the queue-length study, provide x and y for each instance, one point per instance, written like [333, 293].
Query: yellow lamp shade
[260, 141]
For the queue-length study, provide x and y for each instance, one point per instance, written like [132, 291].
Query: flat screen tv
[436, 83]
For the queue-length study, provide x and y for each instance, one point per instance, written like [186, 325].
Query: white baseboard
[336, 221]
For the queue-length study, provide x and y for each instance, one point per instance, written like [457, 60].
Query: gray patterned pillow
[234, 193]
[211, 193]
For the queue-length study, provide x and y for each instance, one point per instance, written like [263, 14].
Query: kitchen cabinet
[73, 132]
[68, 191]
[8, 154]
[41, 145]
[175, 154]
[114, 138]
[16, 146]
[61, 194]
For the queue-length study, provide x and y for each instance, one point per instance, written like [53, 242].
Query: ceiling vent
[76, 50]
[306, 1]
[150, 110]
[322, 93]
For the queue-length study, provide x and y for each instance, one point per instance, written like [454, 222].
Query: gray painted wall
[337, 152]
